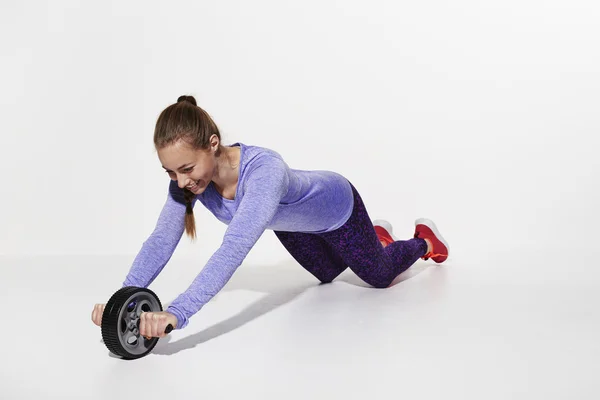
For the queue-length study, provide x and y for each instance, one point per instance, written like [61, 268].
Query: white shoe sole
[385, 225]
[429, 223]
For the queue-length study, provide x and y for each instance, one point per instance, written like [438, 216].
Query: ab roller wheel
[121, 322]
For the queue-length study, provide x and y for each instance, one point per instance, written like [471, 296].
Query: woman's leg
[314, 254]
[358, 245]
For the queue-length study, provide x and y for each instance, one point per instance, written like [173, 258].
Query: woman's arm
[157, 250]
[267, 183]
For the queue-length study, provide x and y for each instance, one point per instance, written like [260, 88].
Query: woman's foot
[384, 232]
[438, 248]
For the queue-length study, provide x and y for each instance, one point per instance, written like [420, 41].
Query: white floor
[505, 325]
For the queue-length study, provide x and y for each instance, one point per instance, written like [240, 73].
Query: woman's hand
[153, 324]
[97, 313]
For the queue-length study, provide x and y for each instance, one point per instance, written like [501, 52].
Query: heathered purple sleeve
[265, 186]
[157, 250]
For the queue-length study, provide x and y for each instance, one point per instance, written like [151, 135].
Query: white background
[483, 116]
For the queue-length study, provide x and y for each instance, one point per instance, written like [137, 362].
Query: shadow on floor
[282, 282]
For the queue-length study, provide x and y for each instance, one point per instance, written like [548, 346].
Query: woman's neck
[227, 171]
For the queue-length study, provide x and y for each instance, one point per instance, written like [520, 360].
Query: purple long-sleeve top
[269, 196]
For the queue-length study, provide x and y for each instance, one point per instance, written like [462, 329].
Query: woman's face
[192, 169]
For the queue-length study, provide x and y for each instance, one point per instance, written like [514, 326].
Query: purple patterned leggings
[354, 245]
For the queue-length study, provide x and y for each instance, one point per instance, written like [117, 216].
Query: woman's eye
[188, 169]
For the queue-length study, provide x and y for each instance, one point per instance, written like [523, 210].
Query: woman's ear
[214, 143]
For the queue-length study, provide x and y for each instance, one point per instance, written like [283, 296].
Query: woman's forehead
[177, 156]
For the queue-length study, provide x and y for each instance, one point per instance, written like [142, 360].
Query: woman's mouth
[194, 187]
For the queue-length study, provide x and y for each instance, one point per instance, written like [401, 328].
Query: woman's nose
[181, 181]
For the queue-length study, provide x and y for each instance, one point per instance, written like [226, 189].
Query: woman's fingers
[146, 325]
[153, 324]
[97, 313]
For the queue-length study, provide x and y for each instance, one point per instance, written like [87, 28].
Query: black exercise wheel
[121, 322]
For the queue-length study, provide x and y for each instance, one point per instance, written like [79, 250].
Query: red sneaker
[384, 232]
[426, 229]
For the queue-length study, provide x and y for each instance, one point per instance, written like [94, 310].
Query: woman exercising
[318, 216]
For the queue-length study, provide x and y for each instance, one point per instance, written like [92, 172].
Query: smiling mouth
[194, 186]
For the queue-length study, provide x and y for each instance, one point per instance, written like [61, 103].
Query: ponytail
[190, 224]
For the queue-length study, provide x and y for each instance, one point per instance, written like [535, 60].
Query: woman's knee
[381, 284]
[377, 281]
[327, 276]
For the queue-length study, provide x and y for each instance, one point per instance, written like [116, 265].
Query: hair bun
[189, 99]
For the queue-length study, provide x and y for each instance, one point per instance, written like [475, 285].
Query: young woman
[318, 216]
